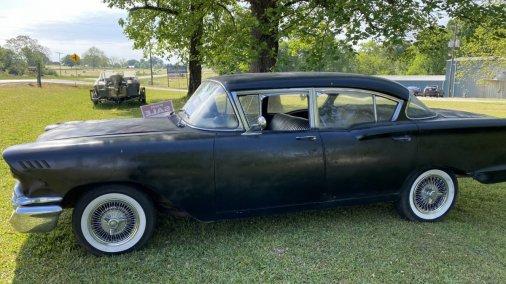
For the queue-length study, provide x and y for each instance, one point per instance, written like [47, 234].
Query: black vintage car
[117, 87]
[254, 144]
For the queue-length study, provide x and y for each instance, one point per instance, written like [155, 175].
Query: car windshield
[417, 110]
[209, 107]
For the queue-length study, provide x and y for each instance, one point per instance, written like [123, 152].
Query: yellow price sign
[74, 57]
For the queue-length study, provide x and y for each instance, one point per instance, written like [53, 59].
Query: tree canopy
[20, 52]
[94, 58]
[261, 35]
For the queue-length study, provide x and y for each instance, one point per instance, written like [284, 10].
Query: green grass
[345, 245]
[495, 108]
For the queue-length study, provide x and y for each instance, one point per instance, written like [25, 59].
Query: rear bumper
[34, 215]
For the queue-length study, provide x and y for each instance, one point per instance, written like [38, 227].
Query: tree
[6, 59]
[313, 54]
[356, 20]
[94, 58]
[132, 62]
[28, 50]
[432, 47]
[176, 28]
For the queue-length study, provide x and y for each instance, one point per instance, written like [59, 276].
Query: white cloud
[21, 15]
[67, 26]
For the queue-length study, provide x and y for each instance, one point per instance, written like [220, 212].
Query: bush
[50, 72]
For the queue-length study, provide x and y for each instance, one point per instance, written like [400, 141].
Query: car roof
[276, 80]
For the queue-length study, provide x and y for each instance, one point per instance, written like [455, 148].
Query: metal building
[476, 77]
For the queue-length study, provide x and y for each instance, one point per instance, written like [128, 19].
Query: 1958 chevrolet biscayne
[253, 144]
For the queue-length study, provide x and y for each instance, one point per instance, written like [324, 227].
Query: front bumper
[34, 215]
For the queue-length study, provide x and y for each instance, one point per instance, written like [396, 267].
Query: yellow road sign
[75, 57]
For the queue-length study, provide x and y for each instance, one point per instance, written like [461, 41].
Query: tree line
[96, 58]
[21, 53]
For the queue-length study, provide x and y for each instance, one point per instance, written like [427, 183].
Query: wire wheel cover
[430, 194]
[113, 222]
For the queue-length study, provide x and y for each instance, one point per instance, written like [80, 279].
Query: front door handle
[403, 138]
[306, 138]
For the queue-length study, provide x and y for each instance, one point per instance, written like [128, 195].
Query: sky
[67, 26]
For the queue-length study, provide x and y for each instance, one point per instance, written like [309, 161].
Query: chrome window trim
[240, 125]
[397, 111]
[374, 108]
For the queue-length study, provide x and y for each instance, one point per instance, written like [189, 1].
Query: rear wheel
[428, 196]
[143, 96]
[113, 220]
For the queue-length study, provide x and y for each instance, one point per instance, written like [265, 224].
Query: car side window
[286, 112]
[343, 110]
[251, 107]
[283, 111]
[347, 109]
[385, 109]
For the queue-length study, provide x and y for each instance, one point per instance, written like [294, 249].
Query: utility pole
[151, 65]
[59, 60]
[453, 44]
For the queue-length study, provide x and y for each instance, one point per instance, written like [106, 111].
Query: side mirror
[256, 129]
[262, 122]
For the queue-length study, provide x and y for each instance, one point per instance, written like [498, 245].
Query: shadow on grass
[182, 245]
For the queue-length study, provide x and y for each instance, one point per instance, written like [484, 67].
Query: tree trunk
[195, 60]
[265, 35]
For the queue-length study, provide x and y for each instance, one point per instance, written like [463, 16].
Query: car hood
[447, 113]
[89, 128]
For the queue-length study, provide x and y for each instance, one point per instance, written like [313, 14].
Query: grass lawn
[346, 245]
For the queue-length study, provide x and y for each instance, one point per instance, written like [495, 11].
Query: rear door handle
[403, 138]
[306, 138]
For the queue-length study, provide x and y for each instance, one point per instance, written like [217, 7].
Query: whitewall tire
[428, 195]
[113, 220]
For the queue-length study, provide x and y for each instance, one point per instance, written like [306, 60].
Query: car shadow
[57, 257]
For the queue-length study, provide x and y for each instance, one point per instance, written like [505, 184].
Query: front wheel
[113, 220]
[428, 196]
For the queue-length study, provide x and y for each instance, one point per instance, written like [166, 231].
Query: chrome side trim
[23, 201]
[19, 199]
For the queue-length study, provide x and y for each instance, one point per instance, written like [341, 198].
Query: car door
[273, 168]
[368, 153]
